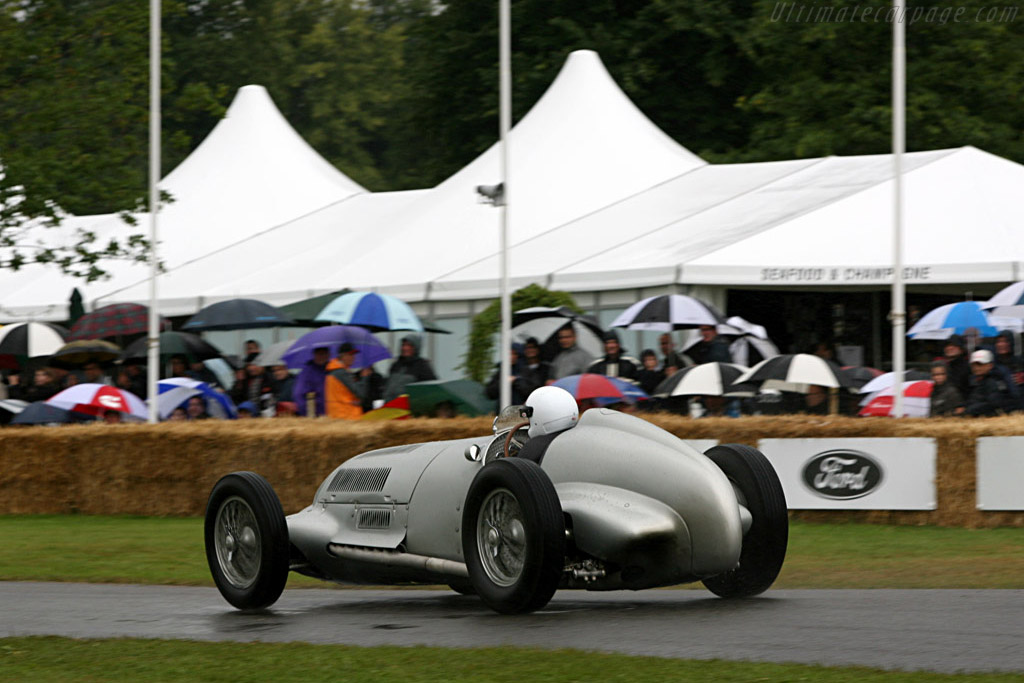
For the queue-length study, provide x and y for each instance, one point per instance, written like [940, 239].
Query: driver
[554, 411]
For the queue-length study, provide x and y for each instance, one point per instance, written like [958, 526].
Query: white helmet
[554, 409]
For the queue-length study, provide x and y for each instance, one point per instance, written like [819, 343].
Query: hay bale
[168, 469]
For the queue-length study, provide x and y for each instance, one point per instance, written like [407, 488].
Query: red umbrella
[96, 399]
[590, 385]
[917, 400]
[113, 320]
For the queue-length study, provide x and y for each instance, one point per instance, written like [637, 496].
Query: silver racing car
[553, 499]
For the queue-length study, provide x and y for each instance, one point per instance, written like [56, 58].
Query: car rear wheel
[764, 545]
[246, 540]
[513, 536]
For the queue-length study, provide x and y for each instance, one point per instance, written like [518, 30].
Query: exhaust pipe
[392, 558]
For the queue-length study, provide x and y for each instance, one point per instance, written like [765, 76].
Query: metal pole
[505, 77]
[154, 203]
[898, 314]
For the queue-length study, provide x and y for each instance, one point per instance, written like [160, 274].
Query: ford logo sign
[842, 474]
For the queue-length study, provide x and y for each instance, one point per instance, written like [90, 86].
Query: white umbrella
[30, 340]
[1009, 301]
[886, 380]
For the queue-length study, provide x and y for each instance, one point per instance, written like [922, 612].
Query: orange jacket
[341, 401]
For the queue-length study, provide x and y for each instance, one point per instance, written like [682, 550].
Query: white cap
[554, 409]
[982, 356]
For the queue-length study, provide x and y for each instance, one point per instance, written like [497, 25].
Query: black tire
[247, 541]
[515, 566]
[462, 586]
[764, 545]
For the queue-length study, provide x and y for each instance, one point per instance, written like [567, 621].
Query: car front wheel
[246, 540]
[513, 536]
[764, 545]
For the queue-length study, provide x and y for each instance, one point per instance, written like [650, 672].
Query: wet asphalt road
[936, 630]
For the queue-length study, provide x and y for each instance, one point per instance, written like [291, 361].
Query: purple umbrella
[370, 348]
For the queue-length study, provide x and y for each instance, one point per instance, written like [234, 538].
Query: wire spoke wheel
[247, 545]
[237, 539]
[501, 537]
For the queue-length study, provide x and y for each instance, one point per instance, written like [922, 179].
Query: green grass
[61, 659]
[170, 551]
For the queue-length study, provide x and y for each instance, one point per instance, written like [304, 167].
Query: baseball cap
[982, 356]
[346, 347]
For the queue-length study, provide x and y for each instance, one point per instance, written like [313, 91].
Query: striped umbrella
[174, 391]
[375, 312]
[96, 399]
[707, 379]
[668, 312]
[945, 321]
[796, 368]
[1008, 301]
[22, 341]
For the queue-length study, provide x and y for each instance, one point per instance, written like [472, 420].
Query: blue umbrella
[958, 318]
[376, 312]
[174, 391]
[40, 412]
[370, 348]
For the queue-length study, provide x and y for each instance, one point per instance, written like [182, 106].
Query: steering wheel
[508, 439]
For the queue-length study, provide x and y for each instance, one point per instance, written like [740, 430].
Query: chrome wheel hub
[501, 537]
[237, 542]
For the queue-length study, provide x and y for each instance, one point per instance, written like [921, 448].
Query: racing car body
[613, 503]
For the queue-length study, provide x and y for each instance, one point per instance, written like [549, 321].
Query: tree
[479, 355]
[825, 84]
[69, 140]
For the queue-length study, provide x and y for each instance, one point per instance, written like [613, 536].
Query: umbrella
[192, 346]
[371, 349]
[466, 397]
[707, 379]
[78, 353]
[601, 388]
[174, 391]
[237, 314]
[41, 412]
[750, 343]
[859, 375]
[305, 311]
[96, 399]
[1008, 301]
[543, 323]
[272, 355]
[668, 312]
[945, 321]
[13, 405]
[796, 368]
[395, 409]
[113, 320]
[10, 407]
[22, 341]
[886, 380]
[916, 400]
[375, 312]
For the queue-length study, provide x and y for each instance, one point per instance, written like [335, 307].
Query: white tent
[581, 146]
[252, 173]
[600, 200]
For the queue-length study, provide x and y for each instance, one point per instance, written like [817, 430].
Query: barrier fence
[833, 469]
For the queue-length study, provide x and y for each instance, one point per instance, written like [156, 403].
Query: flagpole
[898, 315]
[505, 97]
[153, 364]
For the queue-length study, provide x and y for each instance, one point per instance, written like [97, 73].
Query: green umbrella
[306, 310]
[466, 397]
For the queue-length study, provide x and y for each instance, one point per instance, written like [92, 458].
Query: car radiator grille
[374, 519]
[359, 479]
